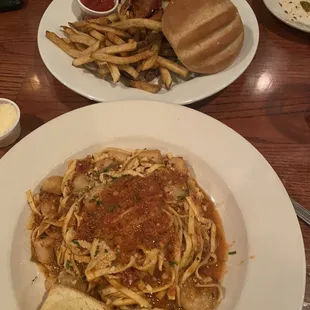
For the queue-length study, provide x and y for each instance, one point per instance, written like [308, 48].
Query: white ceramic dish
[91, 13]
[79, 80]
[279, 12]
[268, 271]
[13, 133]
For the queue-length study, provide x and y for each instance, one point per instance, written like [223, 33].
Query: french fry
[62, 44]
[114, 38]
[67, 40]
[148, 63]
[116, 75]
[85, 57]
[130, 70]
[116, 49]
[138, 23]
[97, 35]
[151, 88]
[83, 23]
[82, 60]
[172, 66]
[100, 20]
[108, 43]
[67, 30]
[166, 77]
[84, 39]
[105, 29]
[113, 17]
[122, 60]
[117, 40]
[93, 48]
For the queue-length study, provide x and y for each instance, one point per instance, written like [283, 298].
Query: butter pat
[8, 117]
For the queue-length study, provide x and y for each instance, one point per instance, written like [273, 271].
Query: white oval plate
[86, 84]
[278, 11]
[268, 271]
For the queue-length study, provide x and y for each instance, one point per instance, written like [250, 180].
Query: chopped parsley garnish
[171, 263]
[232, 253]
[112, 208]
[97, 200]
[114, 178]
[67, 264]
[106, 169]
[43, 236]
[76, 242]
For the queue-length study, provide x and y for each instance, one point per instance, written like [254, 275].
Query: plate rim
[91, 109]
[292, 24]
[159, 97]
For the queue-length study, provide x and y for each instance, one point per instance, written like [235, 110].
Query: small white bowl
[13, 133]
[91, 13]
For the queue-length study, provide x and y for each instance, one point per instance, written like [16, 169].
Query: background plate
[274, 7]
[86, 84]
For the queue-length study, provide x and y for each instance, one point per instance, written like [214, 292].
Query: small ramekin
[13, 133]
[91, 13]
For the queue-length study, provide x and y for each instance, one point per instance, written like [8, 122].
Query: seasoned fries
[172, 66]
[166, 77]
[83, 39]
[116, 49]
[127, 49]
[151, 88]
[122, 60]
[138, 23]
[116, 75]
[105, 29]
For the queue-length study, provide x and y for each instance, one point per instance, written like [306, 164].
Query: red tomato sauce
[99, 5]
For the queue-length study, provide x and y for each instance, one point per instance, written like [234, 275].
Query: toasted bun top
[206, 35]
[65, 298]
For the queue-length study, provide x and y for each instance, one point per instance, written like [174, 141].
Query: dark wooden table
[269, 104]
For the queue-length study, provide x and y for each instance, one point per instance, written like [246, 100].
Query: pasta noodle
[130, 228]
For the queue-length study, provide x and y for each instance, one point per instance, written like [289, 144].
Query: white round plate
[86, 84]
[274, 7]
[268, 271]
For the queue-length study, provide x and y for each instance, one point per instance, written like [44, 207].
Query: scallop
[178, 164]
[197, 298]
[44, 251]
[52, 185]
[152, 155]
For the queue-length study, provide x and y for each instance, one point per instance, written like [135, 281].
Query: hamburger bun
[206, 35]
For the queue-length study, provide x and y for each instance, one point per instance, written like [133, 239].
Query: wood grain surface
[269, 104]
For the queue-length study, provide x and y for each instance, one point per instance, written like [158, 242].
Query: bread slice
[61, 297]
[206, 35]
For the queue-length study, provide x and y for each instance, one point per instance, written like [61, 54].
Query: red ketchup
[99, 5]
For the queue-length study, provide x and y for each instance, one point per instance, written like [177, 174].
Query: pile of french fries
[131, 50]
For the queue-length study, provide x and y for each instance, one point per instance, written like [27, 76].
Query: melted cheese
[8, 116]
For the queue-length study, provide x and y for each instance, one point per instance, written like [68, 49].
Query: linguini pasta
[132, 229]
